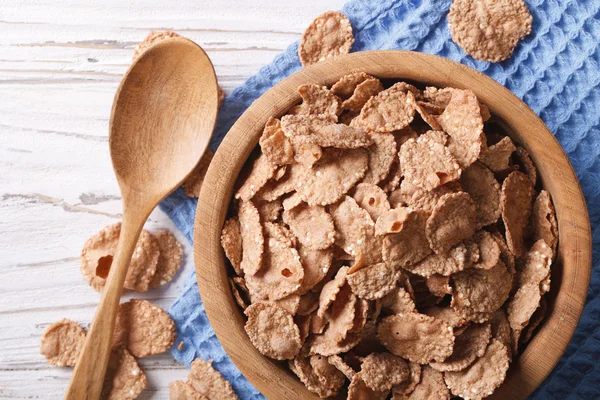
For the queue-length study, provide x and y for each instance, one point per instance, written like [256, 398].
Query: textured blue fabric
[555, 71]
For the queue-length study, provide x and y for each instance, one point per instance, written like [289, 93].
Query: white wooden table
[60, 63]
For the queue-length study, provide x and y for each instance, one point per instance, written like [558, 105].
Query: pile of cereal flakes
[390, 238]
[141, 329]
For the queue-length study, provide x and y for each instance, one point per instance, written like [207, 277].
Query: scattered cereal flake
[371, 198]
[432, 109]
[262, 170]
[407, 245]
[317, 99]
[422, 199]
[543, 223]
[341, 365]
[381, 371]
[62, 342]
[290, 303]
[382, 154]
[484, 189]
[416, 337]
[193, 183]
[240, 291]
[439, 285]
[535, 266]
[253, 241]
[302, 367]
[505, 254]
[143, 328]
[303, 323]
[516, 200]
[329, 35]
[312, 225]
[281, 273]
[280, 232]
[398, 301]
[180, 390]
[374, 281]
[526, 164]
[272, 331]
[427, 164]
[326, 343]
[468, 346]
[446, 314]
[304, 125]
[279, 172]
[337, 135]
[150, 40]
[535, 321]
[99, 250]
[439, 98]
[333, 176]
[305, 153]
[481, 291]
[522, 306]
[432, 386]
[269, 211]
[328, 374]
[331, 290]
[275, 145]
[426, 115]
[341, 314]
[362, 93]
[317, 324]
[124, 379]
[291, 201]
[489, 250]
[501, 328]
[169, 259]
[446, 264]
[309, 302]
[452, 220]
[316, 264]
[482, 377]
[344, 88]
[180, 346]
[462, 121]
[358, 390]
[390, 110]
[404, 389]
[350, 221]
[209, 382]
[489, 30]
[407, 87]
[393, 178]
[360, 315]
[497, 156]
[274, 189]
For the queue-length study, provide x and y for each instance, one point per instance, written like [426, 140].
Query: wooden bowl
[570, 274]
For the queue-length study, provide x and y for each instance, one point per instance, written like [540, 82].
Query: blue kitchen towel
[555, 70]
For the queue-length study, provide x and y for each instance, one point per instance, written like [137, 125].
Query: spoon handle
[88, 376]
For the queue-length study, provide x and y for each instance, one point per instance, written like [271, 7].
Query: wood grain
[571, 274]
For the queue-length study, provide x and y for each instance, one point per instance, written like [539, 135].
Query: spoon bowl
[162, 119]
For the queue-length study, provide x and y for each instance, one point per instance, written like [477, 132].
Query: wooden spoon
[162, 119]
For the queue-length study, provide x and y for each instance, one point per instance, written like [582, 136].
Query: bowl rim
[568, 292]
